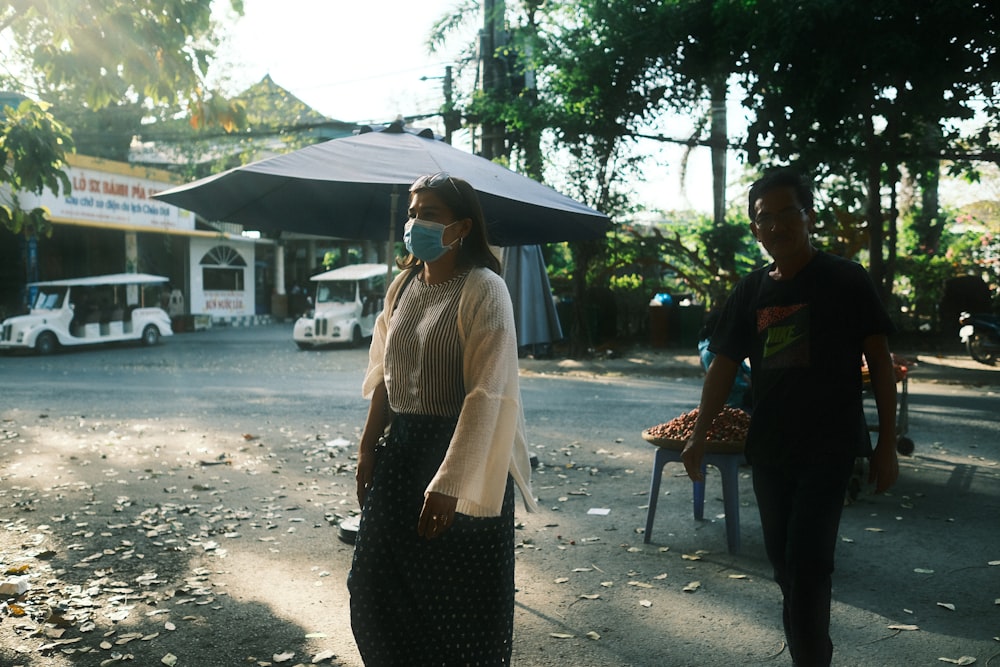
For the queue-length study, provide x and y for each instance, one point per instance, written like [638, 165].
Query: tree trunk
[719, 141]
[876, 229]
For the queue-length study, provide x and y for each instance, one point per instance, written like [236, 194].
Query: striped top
[423, 352]
[463, 327]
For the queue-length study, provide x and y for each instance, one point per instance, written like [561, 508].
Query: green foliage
[33, 147]
[690, 254]
[103, 65]
[110, 50]
[972, 246]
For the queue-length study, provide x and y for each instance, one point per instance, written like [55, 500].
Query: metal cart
[904, 445]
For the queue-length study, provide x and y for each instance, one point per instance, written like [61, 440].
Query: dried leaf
[593, 635]
[609, 584]
[560, 635]
[561, 580]
[283, 657]
[323, 655]
[738, 576]
[169, 626]
[645, 603]
[946, 605]
[690, 557]
[590, 596]
[906, 628]
[692, 587]
[920, 570]
[640, 584]
[875, 530]
[964, 660]
[169, 660]
[994, 562]
[660, 576]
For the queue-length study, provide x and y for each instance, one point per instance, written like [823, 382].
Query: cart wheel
[904, 446]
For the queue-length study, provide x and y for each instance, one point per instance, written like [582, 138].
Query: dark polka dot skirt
[416, 602]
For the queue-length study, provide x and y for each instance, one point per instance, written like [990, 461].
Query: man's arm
[715, 391]
[884, 464]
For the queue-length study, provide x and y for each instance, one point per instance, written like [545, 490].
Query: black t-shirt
[804, 338]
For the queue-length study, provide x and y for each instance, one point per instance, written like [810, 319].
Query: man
[804, 322]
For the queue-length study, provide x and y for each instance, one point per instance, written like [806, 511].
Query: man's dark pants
[800, 507]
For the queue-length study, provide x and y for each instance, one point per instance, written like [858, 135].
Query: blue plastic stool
[727, 457]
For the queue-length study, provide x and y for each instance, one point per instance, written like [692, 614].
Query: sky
[353, 61]
[367, 62]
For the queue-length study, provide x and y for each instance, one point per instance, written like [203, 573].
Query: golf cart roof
[352, 272]
[110, 279]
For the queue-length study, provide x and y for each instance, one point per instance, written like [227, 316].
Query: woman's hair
[462, 200]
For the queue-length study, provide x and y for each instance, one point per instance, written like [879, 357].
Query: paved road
[219, 462]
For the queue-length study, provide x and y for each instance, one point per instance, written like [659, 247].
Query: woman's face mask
[425, 239]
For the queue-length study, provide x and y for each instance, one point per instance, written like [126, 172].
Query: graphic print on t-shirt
[784, 332]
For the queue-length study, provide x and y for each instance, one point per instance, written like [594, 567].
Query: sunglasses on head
[434, 181]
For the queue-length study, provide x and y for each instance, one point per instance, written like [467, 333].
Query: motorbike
[980, 333]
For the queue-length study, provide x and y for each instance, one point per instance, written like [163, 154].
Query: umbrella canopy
[344, 188]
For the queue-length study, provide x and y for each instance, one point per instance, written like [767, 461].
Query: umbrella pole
[390, 249]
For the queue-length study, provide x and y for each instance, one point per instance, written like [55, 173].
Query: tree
[131, 58]
[913, 74]
[33, 147]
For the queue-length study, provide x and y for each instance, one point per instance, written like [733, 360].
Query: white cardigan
[489, 438]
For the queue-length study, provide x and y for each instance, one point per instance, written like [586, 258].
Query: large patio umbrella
[355, 188]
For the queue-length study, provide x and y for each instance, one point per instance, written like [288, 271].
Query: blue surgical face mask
[424, 239]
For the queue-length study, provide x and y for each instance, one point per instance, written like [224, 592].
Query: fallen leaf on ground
[645, 603]
[323, 655]
[560, 635]
[593, 635]
[964, 660]
[904, 627]
[692, 587]
[589, 596]
[947, 605]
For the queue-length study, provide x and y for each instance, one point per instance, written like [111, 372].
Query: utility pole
[491, 75]
[452, 119]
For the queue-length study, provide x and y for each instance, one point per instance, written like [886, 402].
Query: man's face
[782, 224]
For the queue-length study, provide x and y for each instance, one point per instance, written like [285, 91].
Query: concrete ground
[199, 529]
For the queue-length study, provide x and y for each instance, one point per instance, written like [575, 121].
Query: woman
[432, 582]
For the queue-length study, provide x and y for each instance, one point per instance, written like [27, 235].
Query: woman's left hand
[437, 515]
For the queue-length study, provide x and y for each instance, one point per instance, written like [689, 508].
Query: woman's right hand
[363, 475]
